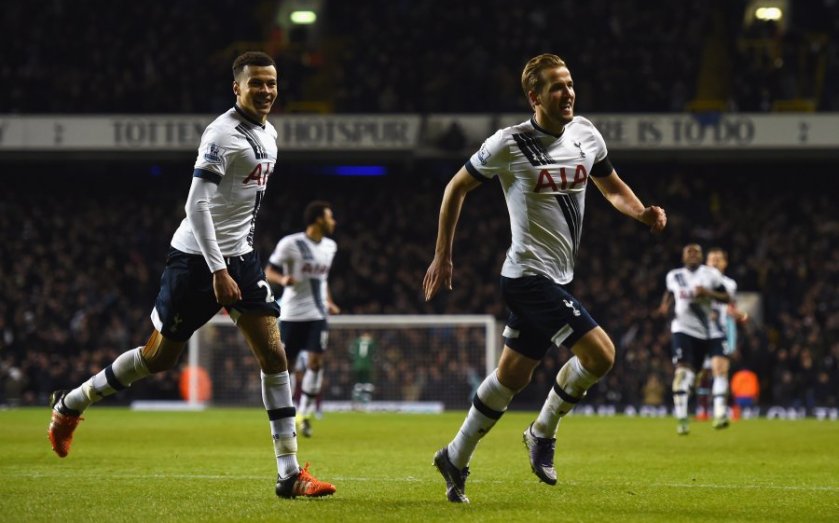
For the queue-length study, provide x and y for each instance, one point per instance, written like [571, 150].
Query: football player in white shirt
[301, 263]
[544, 165]
[212, 264]
[729, 316]
[697, 332]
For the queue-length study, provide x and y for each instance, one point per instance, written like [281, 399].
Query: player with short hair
[212, 264]
[544, 165]
[301, 263]
[728, 316]
[696, 332]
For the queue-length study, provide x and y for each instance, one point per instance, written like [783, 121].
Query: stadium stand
[81, 256]
[386, 56]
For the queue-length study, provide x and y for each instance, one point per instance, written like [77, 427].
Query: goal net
[413, 362]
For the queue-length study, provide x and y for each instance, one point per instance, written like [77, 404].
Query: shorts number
[269, 296]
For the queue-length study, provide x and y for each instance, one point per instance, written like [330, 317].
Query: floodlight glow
[303, 17]
[768, 13]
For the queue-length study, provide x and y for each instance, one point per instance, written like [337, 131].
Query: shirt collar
[543, 130]
[247, 117]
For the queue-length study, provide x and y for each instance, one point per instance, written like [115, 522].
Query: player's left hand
[655, 217]
[438, 273]
[225, 288]
[332, 308]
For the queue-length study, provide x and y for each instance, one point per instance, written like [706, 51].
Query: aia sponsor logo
[260, 174]
[314, 269]
[559, 180]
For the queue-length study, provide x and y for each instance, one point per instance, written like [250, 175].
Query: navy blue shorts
[186, 300]
[692, 352]
[542, 314]
[304, 335]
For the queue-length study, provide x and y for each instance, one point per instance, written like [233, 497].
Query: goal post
[418, 361]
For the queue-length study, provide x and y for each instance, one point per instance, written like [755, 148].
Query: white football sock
[719, 390]
[309, 390]
[125, 370]
[276, 395]
[489, 404]
[572, 382]
[682, 385]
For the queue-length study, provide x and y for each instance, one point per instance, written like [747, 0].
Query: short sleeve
[731, 286]
[214, 153]
[600, 145]
[717, 282]
[282, 253]
[490, 159]
[670, 282]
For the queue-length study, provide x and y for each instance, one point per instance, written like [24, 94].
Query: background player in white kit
[697, 333]
[300, 263]
[212, 264]
[728, 316]
[544, 165]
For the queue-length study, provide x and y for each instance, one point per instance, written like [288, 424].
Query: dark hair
[251, 58]
[531, 76]
[314, 211]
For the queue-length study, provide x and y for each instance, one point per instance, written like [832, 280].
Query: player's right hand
[438, 273]
[225, 288]
[655, 217]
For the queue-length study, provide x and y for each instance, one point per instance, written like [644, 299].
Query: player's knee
[515, 370]
[598, 354]
[515, 381]
[160, 354]
[315, 362]
[683, 379]
[272, 361]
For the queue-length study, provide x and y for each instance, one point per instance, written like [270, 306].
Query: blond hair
[531, 77]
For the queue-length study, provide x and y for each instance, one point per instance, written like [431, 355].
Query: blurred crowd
[406, 56]
[467, 56]
[82, 257]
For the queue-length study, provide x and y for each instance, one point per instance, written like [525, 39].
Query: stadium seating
[82, 260]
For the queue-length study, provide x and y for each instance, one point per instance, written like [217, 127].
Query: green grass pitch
[218, 465]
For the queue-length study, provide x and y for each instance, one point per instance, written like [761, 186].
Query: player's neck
[254, 119]
[547, 125]
[314, 233]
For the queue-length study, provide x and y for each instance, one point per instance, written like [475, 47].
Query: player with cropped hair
[696, 332]
[212, 264]
[300, 264]
[544, 165]
[728, 316]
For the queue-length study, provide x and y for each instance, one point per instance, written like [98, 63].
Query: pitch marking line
[411, 479]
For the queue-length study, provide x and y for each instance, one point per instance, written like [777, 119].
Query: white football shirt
[544, 178]
[309, 263]
[694, 314]
[237, 153]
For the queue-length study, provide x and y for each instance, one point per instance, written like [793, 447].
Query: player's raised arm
[622, 198]
[441, 268]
